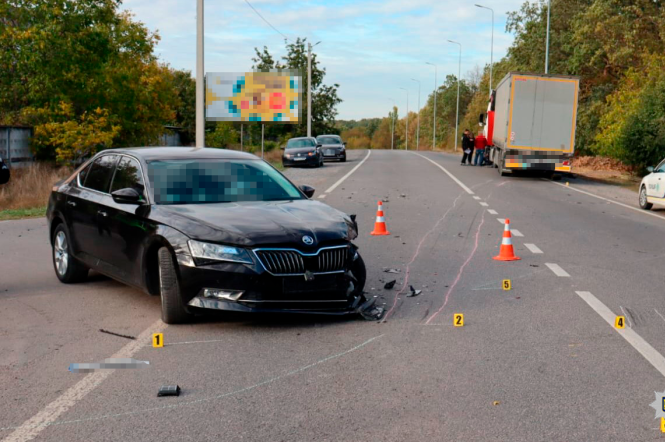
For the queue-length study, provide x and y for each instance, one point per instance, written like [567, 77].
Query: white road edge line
[492, 212]
[453, 177]
[484, 204]
[36, 424]
[516, 232]
[630, 324]
[533, 248]
[638, 343]
[558, 271]
[645, 212]
[341, 180]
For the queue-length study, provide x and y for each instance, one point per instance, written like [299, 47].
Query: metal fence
[15, 146]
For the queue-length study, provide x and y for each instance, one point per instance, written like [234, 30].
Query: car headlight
[288, 155]
[216, 252]
[311, 154]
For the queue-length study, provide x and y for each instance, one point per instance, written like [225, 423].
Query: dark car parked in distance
[205, 228]
[4, 172]
[302, 151]
[332, 147]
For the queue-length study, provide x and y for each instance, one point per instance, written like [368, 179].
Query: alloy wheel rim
[60, 253]
[643, 197]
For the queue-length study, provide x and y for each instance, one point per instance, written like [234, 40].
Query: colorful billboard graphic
[273, 96]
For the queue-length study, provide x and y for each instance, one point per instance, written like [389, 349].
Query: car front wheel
[644, 203]
[173, 310]
[67, 268]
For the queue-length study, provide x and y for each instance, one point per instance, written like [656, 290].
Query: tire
[343, 160]
[502, 171]
[644, 204]
[173, 309]
[67, 268]
[359, 272]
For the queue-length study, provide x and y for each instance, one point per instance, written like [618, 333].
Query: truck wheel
[173, 310]
[644, 204]
[502, 171]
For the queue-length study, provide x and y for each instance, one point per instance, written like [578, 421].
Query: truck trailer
[531, 121]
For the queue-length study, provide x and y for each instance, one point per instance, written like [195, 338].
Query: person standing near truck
[480, 142]
[467, 146]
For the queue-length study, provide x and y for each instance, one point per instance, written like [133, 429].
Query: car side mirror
[650, 169]
[4, 175]
[307, 190]
[127, 196]
[282, 147]
[344, 143]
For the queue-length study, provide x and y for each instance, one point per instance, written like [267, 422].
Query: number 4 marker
[620, 322]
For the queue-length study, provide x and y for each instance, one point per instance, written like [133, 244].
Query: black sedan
[332, 147]
[303, 151]
[205, 228]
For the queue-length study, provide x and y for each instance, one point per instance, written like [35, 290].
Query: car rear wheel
[173, 310]
[67, 268]
[644, 203]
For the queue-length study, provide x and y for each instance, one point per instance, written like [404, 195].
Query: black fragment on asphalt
[169, 390]
[116, 334]
[390, 284]
[413, 292]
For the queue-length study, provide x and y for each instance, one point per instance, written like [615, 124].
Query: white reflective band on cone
[380, 219]
[507, 241]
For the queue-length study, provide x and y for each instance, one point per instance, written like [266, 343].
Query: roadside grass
[27, 192]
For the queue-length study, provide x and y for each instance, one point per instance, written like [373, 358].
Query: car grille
[292, 262]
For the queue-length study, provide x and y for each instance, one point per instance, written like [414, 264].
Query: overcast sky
[370, 48]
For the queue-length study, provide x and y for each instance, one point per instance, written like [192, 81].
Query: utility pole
[418, 127]
[459, 74]
[434, 118]
[392, 128]
[492, 46]
[309, 87]
[200, 90]
[406, 132]
[547, 39]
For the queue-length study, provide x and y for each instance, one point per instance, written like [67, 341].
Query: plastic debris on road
[169, 390]
[390, 284]
[414, 292]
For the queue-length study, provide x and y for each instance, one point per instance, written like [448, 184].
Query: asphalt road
[538, 362]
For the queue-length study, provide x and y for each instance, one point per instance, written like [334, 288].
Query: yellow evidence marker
[662, 424]
[158, 340]
[620, 322]
[458, 320]
[506, 284]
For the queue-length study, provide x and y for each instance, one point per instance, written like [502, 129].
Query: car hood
[293, 150]
[251, 224]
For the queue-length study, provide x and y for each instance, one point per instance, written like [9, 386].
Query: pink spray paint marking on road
[461, 270]
[415, 255]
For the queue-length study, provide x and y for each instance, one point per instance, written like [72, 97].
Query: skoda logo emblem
[308, 240]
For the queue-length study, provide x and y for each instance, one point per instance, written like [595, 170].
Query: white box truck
[531, 121]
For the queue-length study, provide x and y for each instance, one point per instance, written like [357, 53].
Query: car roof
[182, 153]
[301, 138]
[328, 135]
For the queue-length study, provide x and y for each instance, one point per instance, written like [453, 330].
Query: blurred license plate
[330, 152]
[299, 158]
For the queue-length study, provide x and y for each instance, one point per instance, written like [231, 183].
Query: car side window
[84, 173]
[128, 175]
[660, 168]
[99, 176]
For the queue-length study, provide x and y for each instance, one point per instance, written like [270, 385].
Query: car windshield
[300, 142]
[217, 181]
[329, 140]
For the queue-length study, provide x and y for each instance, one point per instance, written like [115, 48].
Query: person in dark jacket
[467, 146]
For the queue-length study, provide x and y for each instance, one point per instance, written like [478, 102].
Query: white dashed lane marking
[484, 204]
[558, 271]
[492, 212]
[476, 197]
[516, 232]
[533, 248]
[501, 220]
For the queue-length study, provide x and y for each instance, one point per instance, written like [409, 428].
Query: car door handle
[72, 203]
[102, 213]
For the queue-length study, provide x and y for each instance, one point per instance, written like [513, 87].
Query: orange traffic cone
[506, 253]
[380, 224]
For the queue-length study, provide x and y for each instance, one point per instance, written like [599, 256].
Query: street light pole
[392, 127]
[459, 74]
[547, 39]
[406, 132]
[492, 46]
[418, 127]
[434, 118]
[200, 90]
[309, 87]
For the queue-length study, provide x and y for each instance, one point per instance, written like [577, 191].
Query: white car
[652, 188]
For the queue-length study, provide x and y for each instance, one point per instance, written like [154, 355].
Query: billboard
[273, 96]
